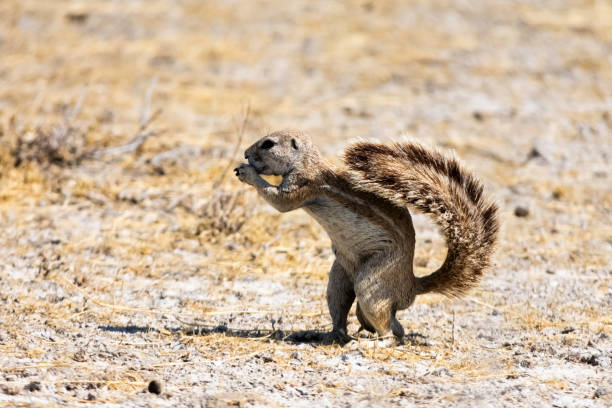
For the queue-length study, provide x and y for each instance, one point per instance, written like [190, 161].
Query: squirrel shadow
[314, 337]
[129, 329]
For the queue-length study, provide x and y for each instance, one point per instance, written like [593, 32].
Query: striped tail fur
[407, 174]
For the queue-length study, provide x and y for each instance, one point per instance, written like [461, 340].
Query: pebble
[154, 387]
[521, 211]
[33, 386]
[600, 392]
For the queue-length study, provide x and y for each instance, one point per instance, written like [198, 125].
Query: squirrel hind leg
[381, 321]
[396, 326]
[340, 297]
[365, 325]
[376, 300]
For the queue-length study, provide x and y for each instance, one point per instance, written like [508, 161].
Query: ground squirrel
[364, 210]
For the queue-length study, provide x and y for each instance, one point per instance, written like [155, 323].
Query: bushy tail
[407, 174]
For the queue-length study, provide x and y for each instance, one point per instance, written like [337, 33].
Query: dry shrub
[65, 144]
[61, 144]
[223, 213]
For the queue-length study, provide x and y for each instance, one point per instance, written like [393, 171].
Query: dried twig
[240, 130]
[60, 144]
[453, 332]
[70, 116]
[139, 139]
[145, 111]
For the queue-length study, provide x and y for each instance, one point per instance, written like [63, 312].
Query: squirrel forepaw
[246, 173]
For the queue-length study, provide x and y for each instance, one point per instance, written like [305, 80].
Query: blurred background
[120, 122]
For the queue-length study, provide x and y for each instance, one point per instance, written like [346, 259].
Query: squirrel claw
[246, 173]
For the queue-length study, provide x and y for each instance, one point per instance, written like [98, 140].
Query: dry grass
[124, 231]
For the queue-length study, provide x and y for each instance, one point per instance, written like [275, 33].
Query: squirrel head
[283, 152]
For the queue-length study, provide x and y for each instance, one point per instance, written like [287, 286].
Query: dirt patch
[136, 271]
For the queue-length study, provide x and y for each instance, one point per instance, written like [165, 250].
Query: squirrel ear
[294, 144]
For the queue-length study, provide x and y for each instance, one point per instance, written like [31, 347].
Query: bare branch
[139, 139]
[240, 131]
[145, 117]
[132, 146]
[70, 116]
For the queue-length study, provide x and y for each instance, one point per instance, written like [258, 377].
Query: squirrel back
[407, 174]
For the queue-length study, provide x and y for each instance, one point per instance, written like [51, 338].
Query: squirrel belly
[359, 224]
[409, 175]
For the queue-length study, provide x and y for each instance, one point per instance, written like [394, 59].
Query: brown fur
[364, 209]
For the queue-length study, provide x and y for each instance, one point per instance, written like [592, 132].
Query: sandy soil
[129, 253]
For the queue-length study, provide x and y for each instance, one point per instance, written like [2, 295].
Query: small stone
[91, 397]
[550, 272]
[80, 356]
[442, 372]
[600, 392]
[478, 116]
[533, 153]
[9, 390]
[520, 211]
[368, 6]
[600, 174]
[154, 387]
[33, 386]
[267, 359]
[77, 17]
[590, 360]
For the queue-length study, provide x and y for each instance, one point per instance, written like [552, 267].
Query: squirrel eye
[266, 145]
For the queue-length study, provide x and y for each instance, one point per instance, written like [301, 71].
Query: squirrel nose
[246, 155]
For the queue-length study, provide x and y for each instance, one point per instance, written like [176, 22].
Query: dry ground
[110, 251]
